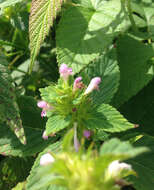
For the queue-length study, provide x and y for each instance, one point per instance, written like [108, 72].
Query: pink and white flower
[45, 136]
[46, 159]
[45, 107]
[93, 85]
[78, 84]
[65, 72]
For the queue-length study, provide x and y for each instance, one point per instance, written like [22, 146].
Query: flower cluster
[77, 86]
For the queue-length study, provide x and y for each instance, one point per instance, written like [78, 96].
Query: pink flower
[87, 133]
[93, 85]
[45, 136]
[45, 107]
[46, 159]
[65, 72]
[78, 84]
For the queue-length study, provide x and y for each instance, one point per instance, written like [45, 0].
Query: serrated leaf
[107, 68]
[135, 69]
[33, 126]
[33, 179]
[92, 27]
[56, 123]
[143, 165]
[9, 111]
[108, 119]
[14, 170]
[43, 12]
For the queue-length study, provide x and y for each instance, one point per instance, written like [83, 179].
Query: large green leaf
[33, 126]
[43, 12]
[9, 111]
[107, 68]
[124, 149]
[108, 119]
[14, 170]
[85, 31]
[56, 123]
[140, 109]
[144, 166]
[135, 69]
[33, 181]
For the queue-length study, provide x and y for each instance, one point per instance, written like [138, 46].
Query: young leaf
[135, 70]
[9, 111]
[92, 29]
[108, 119]
[43, 12]
[107, 68]
[56, 123]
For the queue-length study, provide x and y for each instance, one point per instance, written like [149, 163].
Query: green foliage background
[112, 39]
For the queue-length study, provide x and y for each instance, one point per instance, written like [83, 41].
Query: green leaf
[119, 148]
[9, 111]
[108, 119]
[33, 126]
[7, 3]
[43, 12]
[33, 181]
[14, 170]
[135, 69]
[107, 68]
[143, 165]
[56, 123]
[20, 186]
[93, 27]
[140, 109]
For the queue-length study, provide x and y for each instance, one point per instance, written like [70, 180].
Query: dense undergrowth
[76, 94]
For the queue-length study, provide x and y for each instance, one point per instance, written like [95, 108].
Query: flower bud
[93, 85]
[46, 159]
[87, 133]
[45, 107]
[45, 136]
[116, 167]
[78, 84]
[65, 72]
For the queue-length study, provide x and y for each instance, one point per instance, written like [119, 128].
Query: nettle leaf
[33, 126]
[108, 119]
[43, 12]
[135, 69]
[107, 68]
[9, 111]
[143, 165]
[56, 123]
[92, 27]
[34, 180]
[140, 108]
[123, 149]
[14, 170]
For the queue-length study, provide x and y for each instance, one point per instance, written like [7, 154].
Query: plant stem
[130, 14]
